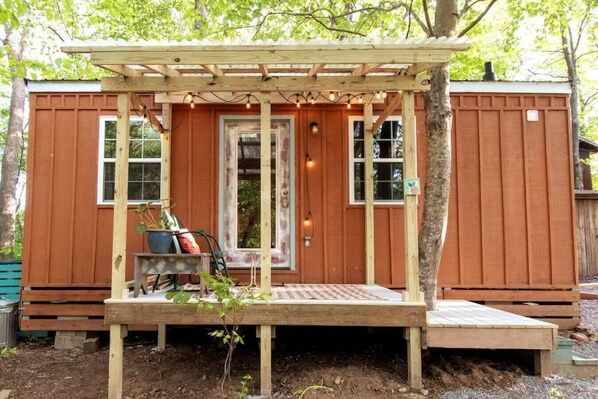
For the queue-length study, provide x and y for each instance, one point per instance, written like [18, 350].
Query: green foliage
[244, 392]
[6, 351]
[147, 220]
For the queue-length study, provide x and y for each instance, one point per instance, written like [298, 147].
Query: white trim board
[94, 86]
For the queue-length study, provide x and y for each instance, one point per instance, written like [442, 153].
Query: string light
[384, 94]
[349, 103]
[248, 103]
[307, 221]
[310, 98]
[331, 96]
[192, 105]
[310, 162]
[188, 98]
[378, 95]
[360, 100]
[298, 103]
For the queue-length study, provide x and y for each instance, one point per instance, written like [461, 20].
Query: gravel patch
[530, 387]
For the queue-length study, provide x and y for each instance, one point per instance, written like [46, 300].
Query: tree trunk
[438, 181]
[10, 159]
[571, 61]
[438, 157]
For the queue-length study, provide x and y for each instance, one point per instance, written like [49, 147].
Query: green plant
[301, 393]
[242, 394]
[6, 351]
[147, 220]
[228, 303]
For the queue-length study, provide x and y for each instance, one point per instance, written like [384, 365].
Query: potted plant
[156, 228]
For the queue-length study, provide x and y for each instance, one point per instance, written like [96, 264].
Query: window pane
[383, 171]
[358, 149]
[110, 129]
[151, 149]
[151, 172]
[136, 130]
[359, 190]
[383, 190]
[151, 190]
[359, 171]
[109, 191]
[149, 132]
[135, 172]
[397, 190]
[358, 130]
[249, 190]
[135, 149]
[109, 148]
[109, 172]
[135, 191]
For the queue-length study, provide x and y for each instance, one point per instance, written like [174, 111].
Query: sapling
[228, 302]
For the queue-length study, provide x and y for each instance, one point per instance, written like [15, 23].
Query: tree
[15, 44]
[568, 42]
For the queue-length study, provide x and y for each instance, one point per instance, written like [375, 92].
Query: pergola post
[165, 189]
[411, 244]
[265, 232]
[368, 136]
[119, 244]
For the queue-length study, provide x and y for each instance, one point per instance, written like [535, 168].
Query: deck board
[463, 324]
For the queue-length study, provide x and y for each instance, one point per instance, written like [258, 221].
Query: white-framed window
[145, 154]
[388, 161]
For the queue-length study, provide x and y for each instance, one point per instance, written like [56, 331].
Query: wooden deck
[292, 305]
[464, 324]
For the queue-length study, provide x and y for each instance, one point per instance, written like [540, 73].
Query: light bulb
[378, 95]
[248, 104]
[192, 105]
[310, 162]
[188, 98]
[360, 100]
[298, 103]
[307, 222]
[331, 96]
[348, 104]
[384, 94]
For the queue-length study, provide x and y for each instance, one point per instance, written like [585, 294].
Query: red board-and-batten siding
[511, 206]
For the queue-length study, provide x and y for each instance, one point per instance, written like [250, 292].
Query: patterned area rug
[324, 291]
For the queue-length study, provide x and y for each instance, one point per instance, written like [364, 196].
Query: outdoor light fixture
[314, 128]
[309, 229]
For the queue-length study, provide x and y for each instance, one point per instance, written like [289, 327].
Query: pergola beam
[364, 69]
[213, 69]
[122, 70]
[263, 69]
[163, 70]
[316, 69]
[150, 84]
[390, 108]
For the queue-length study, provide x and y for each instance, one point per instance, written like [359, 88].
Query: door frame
[292, 233]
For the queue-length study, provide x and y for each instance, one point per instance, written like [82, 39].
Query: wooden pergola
[270, 72]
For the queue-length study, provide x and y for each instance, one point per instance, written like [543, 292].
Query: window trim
[353, 161]
[102, 160]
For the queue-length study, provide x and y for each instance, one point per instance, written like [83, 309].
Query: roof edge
[94, 86]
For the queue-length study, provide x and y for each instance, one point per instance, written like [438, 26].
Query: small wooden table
[148, 263]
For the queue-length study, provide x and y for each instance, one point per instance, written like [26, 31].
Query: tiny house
[511, 232]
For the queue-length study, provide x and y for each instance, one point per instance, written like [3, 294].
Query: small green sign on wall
[411, 186]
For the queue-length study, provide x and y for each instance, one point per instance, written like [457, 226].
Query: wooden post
[411, 245]
[368, 136]
[119, 243]
[165, 189]
[265, 231]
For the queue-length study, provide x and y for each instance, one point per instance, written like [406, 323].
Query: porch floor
[293, 304]
[468, 325]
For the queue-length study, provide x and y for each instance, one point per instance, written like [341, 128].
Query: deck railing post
[119, 243]
[368, 136]
[411, 244]
[265, 231]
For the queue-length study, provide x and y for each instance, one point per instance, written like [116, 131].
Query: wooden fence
[586, 203]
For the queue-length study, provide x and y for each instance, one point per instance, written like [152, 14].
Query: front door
[240, 190]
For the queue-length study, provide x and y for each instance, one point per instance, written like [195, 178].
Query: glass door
[241, 190]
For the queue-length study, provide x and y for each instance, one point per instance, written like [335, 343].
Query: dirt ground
[355, 363]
